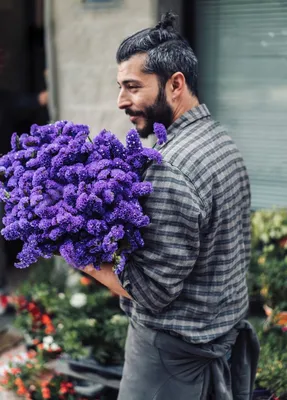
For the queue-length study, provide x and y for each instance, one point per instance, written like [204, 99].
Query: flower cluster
[67, 194]
[76, 321]
[31, 381]
[35, 317]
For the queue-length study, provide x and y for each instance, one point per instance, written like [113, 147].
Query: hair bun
[166, 21]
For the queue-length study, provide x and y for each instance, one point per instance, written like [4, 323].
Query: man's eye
[132, 87]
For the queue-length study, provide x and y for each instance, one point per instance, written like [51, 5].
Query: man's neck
[186, 105]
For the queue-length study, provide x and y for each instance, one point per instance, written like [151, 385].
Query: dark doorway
[22, 79]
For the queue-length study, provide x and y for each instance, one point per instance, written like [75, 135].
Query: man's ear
[177, 82]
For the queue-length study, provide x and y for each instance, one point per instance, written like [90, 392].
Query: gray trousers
[162, 367]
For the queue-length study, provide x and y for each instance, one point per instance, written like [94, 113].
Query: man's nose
[123, 102]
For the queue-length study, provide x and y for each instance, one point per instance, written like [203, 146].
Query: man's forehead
[132, 69]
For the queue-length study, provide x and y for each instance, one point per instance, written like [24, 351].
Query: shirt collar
[188, 118]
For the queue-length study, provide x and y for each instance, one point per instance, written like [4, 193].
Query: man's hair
[167, 52]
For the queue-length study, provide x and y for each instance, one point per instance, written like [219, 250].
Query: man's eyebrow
[127, 81]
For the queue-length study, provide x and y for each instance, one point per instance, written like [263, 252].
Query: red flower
[67, 387]
[31, 306]
[4, 301]
[15, 371]
[21, 302]
[283, 242]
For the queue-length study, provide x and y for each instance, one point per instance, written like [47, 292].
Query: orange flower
[40, 346]
[46, 319]
[46, 393]
[281, 318]
[32, 353]
[85, 281]
[21, 390]
[49, 329]
[18, 381]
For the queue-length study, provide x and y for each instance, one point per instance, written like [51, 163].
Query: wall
[86, 40]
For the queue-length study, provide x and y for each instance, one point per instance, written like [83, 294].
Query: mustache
[132, 113]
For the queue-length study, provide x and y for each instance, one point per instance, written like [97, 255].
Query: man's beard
[160, 112]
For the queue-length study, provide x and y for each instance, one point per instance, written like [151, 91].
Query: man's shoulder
[206, 155]
[202, 142]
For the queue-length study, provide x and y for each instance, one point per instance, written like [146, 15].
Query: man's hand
[107, 277]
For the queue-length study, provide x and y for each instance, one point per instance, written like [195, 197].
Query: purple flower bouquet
[67, 194]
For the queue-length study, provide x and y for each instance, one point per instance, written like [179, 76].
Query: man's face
[142, 97]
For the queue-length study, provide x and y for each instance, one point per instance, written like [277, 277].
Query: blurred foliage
[82, 317]
[272, 371]
[268, 268]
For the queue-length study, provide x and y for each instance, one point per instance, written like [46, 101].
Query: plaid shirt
[190, 277]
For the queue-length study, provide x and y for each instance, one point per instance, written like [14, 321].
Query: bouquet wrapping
[65, 193]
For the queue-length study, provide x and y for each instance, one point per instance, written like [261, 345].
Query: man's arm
[107, 277]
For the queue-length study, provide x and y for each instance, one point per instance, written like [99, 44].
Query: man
[185, 292]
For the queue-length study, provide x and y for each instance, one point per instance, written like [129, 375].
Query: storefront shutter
[242, 51]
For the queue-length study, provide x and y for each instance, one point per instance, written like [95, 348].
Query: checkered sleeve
[154, 274]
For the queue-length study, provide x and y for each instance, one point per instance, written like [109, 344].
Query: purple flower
[94, 246]
[133, 142]
[104, 174]
[95, 204]
[29, 255]
[64, 193]
[95, 167]
[118, 174]
[70, 194]
[119, 263]
[121, 164]
[15, 143]
[19, 171]
[29, 141]
[160, 133]
[40, 176]
[12, 231]
[95, 227]
[82, 202]
[45, 224]
[56, 233]
[108, 196]
[141, 189]
[76, 224]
